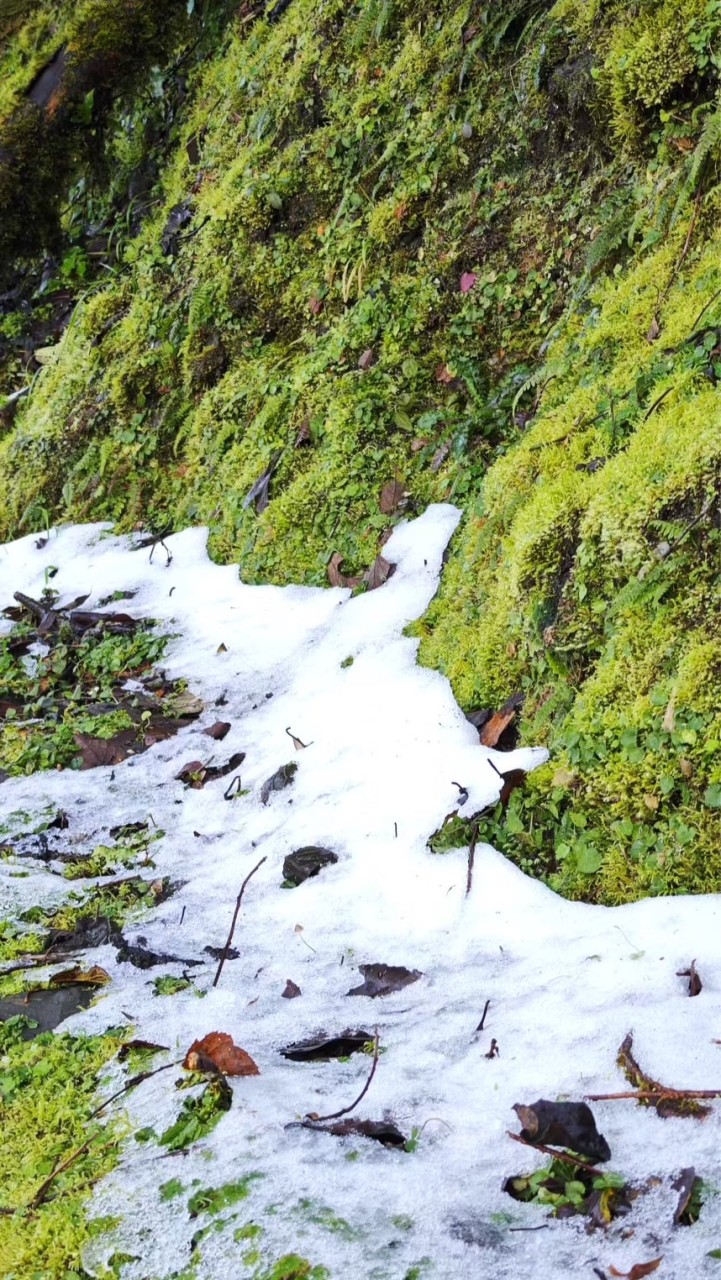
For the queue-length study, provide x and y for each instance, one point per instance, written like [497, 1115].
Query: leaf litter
[374, 785]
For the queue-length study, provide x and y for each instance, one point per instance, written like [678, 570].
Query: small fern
[708, 149]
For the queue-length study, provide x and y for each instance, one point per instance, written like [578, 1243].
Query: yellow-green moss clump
[475, 252]
[47, 1096]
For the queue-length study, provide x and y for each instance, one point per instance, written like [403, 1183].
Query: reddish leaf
[93, 977]
[315, 306]
[443, 374]
[218, 730]
[497, 724]
[639, 1270]
[391, 497]
[695, 985]
[468, 279]
[366, 360]
[291, 991]
[227, 1057]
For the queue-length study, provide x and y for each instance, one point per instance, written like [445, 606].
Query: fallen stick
[315, 1119]
[556, 1155]
[229, 939]
[675, 1094]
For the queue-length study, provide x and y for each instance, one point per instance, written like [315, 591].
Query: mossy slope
[475, 253]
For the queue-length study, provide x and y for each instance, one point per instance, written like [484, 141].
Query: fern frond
[707, 148]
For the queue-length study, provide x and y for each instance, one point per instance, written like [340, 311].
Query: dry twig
[229, 939]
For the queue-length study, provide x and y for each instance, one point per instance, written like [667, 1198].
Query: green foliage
[213, 1200]
[47, 1094]
[198, 1115]
[564, 1186]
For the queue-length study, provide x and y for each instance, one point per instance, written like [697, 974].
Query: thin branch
[346, 1110]
[661, 1094]
[229, 940]
[704, 309]
[556, 1155]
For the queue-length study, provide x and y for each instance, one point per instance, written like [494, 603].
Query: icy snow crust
[566, 981]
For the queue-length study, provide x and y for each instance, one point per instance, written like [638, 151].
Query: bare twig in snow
[229, 939]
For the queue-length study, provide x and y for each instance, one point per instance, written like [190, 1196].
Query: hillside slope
[390, 258]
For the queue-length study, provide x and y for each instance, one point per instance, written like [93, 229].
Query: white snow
[566, 981]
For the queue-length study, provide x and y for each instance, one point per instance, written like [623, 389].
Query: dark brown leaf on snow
[139, 1046]
[291, 990]
[140, 957]
[563, 1124]
[119, 623]
[218, 730]
[89, 932]
[195, 774]
[384, 979]
[230, 953]
[667, 1105]
[695, 985]
[335, 577]
[282, 778]
[93, 977]
[380, 571]
[391, 497]
[638, 1270]
[307, 862]
[106, 751]
[322, 1048]
[687, 1185]
[125, 829]
[478, 718]
[366, 360]
[227, 1057]
[382, 1131]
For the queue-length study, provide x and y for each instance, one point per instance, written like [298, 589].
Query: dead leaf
[563, 778]
[322, 1048]
[651, 802]
[638, 1270]
[384, 979]
[304, 436]
[94, 977]
[686, 1184]
[218, 730]
[695, 985]
[218, 1046]
[335, 577]
[291, 990]
[419, 443]
[282, 778]
[439, 457]
[222, 648]
[315, 305]
[563, 1124]
[468, 279]
[443, 374]
[306, 863]
[668, 724]
[686, 768]
[195, 774]
[185, 703]
[495, 727]
[380, 571]
[297, 743]
[654, 330]
[383, 1131]
[259, 493]
[366, 360]
[392, 495]
[98, 752]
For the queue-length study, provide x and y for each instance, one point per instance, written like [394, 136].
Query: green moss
[48, 1094]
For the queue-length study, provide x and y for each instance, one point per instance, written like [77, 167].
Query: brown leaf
[291, 991]
[218, 730]
[106, 751]
[419, 443]
[443, 374]
[366, 360]
[227, 1057]
[654, 330]
[695, 985]
[304, 436]
[383, 1131]
[563, 1124]
[335, 577]
[667, 1104]
[380, 571]
[498, 723]
[384, 979]
[94, 977]
[195, 774]
[439, 458]
[315, 305]
[391, 497]
[638, 1270]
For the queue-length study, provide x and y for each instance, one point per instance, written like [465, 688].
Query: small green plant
[167, 985]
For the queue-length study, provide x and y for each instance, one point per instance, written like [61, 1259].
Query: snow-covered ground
[566, 982]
